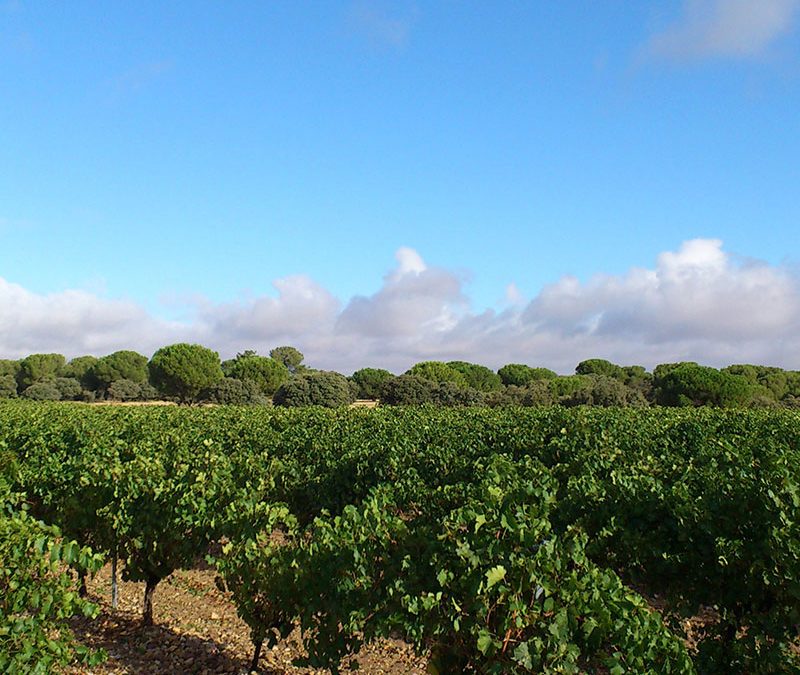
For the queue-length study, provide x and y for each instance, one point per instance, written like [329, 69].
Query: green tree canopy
[638, 379]
[39, 367]
[81, 369]
[569, 385]
[662, 369]
[408, 390]
[775, 380]
[184, 370]
[600, 367]
[8, 387]
[230, 391]
[288, 356]
[437, 371]
[370, 381]
[121, 365]
[477, 376]
[148, 392]
[265, 373]
[124, 390]
[520, 375]
[690, 384]
[321, 387]
[69, 388]
[450, 394]
[747, 371]
[9, 367]
[45, 390]
[604, 391]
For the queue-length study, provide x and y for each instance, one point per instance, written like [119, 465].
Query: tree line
[191, 373]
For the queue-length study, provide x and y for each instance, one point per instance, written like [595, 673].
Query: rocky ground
[197, 631]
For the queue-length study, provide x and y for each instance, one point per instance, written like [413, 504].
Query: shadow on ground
[153, 650]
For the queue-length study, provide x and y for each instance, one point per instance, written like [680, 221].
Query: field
[491, 541]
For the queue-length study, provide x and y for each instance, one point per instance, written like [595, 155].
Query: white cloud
[303, 310]
[513, 296]
[697, 303]
[76, 322]
[725, 28]
[408, 262]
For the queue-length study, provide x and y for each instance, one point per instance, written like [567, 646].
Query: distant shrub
[231, 391]
[323, 388]
[124, 390]
[520, 375]
[604, 391]
[408, 390]
[503, 397]
[477, 376]
[792, 402]
[148, 392]
[437, 371]
[369, 381]
[42, 391]
[265, 373]
[69, 388]
[537, 393]
[450, 394]
[88, 396]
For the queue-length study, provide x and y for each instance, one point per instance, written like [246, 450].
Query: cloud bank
[725, 28]
[697, 303]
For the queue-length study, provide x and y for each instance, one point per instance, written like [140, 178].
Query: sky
[380, 182]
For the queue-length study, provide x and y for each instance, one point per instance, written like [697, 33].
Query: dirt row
[198, 631]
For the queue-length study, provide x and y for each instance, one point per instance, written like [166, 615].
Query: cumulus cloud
[302, 310]
[76, 322]
[696, 303]
[413, 298]
[725, 28]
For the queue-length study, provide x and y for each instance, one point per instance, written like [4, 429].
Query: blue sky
[171, 163]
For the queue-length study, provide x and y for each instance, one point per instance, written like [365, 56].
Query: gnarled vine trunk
[149, 590]
[256, 655]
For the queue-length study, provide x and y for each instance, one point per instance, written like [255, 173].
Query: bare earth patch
[197, 631]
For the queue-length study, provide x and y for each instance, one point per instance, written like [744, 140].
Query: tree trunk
[149, 589]
[114, 584]
[82, 592]
[256, 655]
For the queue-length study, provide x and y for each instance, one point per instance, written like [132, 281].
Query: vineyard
[494, 541]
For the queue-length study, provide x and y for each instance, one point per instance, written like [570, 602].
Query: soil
[196, 630]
